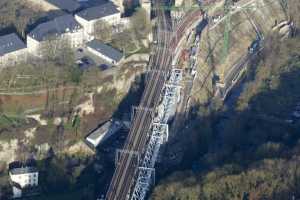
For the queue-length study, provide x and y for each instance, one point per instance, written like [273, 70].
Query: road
[159, 66]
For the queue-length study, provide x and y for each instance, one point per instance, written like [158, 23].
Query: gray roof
[10, 43]
[104, 132]
[23, 170]
[98, 11]
[55, 27]
[101, 130]
[106, 50]
[68, 5]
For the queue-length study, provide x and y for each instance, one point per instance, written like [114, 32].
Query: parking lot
[85, 59]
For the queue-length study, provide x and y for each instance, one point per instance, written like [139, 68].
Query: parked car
[85, 63]
[87, 60]
[103, 67]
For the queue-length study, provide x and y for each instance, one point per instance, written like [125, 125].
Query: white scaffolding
[158, 135]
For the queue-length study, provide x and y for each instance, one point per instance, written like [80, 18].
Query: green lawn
[8, 120]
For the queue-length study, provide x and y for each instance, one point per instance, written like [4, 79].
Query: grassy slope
[256, 156]
[242, 33]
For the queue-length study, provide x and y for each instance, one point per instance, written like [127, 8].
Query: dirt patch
[18, 103]
[9, 153]
[30, 133]
[26, 102]
[86, 107]
[79, 148]
[37, 117]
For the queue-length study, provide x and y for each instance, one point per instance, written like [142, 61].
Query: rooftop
[68, 5]
[55, 27]
[106, 50]
[99, 11]
[103, 132]
[100, 131]
[10, 43]
[23, 170]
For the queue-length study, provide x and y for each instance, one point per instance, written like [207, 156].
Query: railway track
[125, 170]
[160, 64]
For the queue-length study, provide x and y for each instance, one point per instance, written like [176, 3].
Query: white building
[104, 132]
[104, 51]
[23, 177]
[12, 50]
[90, 16]
[61, 28]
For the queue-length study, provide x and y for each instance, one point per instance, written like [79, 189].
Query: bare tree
[124, 40]
[57, 50]
[141, 23]
[103, 31]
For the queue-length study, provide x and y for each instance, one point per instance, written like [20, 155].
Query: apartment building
[104, 51]
[12, 50]
[22, 178]
[61, 28]
[90, 16]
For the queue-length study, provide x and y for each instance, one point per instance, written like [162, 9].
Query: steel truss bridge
[135, 163]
